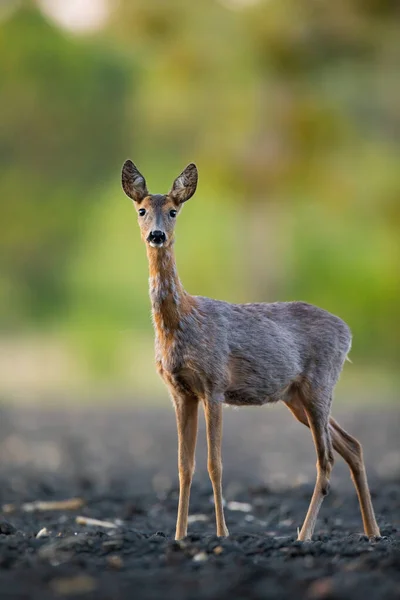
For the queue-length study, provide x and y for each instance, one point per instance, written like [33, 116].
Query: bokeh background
[291, 111]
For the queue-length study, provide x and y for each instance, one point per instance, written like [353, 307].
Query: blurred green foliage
[291, 111]
[62, 129]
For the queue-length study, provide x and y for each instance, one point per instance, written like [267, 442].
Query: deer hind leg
[315, 415]
[213, 416]
[186, 418]
[351, 450]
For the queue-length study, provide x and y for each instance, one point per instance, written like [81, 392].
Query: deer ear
[185, 185]
[133, 182]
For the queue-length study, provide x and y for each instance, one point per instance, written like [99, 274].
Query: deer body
[252, 354]
[215, 352]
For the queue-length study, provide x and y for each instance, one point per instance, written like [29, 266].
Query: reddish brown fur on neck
[168, 298]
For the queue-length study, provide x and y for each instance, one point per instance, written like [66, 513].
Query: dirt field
[121, 465]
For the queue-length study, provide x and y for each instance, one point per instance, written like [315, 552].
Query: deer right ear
[133, 182]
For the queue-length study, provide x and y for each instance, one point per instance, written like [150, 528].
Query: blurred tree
[62, 134]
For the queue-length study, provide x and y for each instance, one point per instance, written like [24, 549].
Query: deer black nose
[157, 237]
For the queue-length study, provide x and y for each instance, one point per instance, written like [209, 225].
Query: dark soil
[122, 464]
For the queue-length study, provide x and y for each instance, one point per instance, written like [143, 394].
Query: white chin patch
[153, 245]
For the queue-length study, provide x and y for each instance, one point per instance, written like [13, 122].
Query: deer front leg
[186, 409]
[213, 416]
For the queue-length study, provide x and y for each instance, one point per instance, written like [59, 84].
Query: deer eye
[142, 212]
[172, 213]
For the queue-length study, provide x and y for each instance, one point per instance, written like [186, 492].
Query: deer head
[157, 212]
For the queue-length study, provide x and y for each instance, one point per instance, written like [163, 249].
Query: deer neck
[169, 300]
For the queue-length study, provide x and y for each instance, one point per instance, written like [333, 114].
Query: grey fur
[252, 354]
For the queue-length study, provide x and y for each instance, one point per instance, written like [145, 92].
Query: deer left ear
[185, 185]
[133, 182]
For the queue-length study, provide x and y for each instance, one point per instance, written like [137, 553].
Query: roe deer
[240, 354]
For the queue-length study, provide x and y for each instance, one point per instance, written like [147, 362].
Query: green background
[291, 111]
